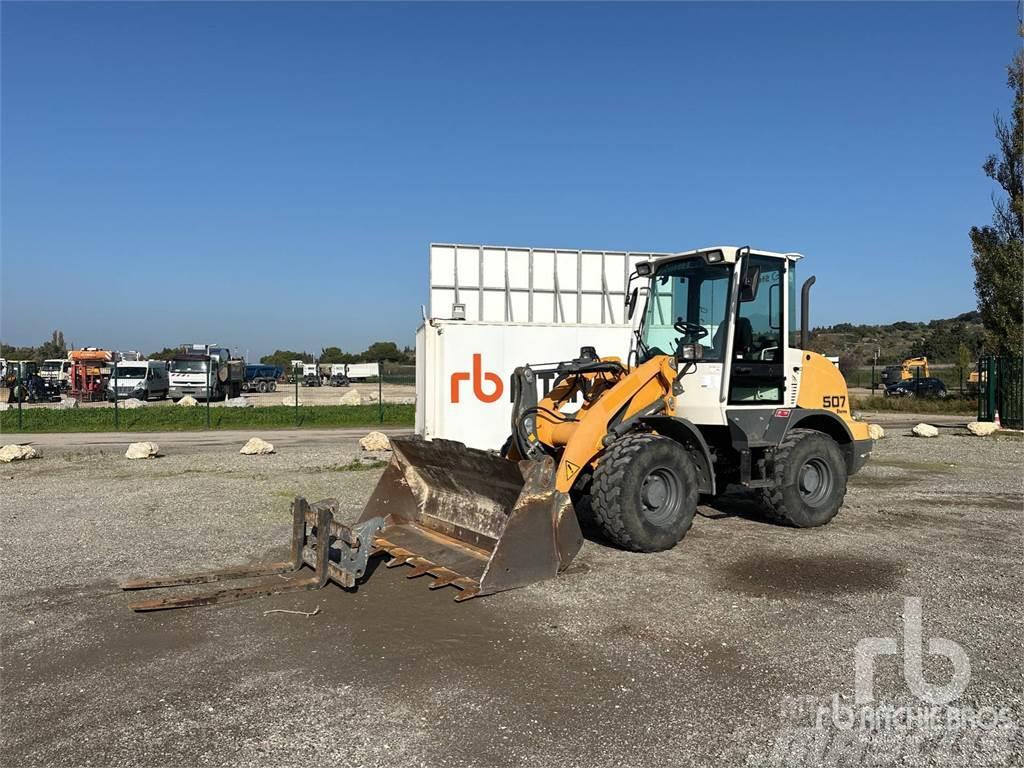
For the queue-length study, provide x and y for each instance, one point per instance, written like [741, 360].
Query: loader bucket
[472, 519]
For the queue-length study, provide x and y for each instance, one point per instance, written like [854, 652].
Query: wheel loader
[718, 389]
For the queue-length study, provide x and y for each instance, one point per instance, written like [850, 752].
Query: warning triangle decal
[570, 469]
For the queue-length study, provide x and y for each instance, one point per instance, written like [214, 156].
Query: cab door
[757, 374]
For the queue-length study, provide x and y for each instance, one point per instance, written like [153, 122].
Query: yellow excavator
[911, 368]
[718, 390]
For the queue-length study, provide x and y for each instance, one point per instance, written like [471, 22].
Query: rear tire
[644, 493]
[810, 479]
[261, 387]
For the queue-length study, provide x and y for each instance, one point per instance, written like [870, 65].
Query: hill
[939, 340]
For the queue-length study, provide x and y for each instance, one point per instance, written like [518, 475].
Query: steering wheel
[689, 330]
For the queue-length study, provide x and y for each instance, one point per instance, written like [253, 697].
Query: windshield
[693, 291]
[131, 371]
[56, 366]
[188, 366]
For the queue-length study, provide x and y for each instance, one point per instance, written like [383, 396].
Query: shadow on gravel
[780, 575]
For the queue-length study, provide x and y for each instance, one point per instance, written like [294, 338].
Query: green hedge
[175, 418]
[916, 405]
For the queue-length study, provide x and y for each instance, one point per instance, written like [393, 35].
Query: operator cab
[724, 310]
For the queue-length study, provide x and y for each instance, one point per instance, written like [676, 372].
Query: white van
[141, 379]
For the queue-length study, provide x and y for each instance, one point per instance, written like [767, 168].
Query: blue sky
[270, 175]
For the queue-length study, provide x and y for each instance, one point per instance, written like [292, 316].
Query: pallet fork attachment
[342, 561]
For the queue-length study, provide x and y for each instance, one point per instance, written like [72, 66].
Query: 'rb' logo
[870, 647]
[479, 375]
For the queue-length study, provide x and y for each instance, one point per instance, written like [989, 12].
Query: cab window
[759, 322]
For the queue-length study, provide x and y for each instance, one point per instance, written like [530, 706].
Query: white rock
[143, 450]
[256, 447]
[67, 403]
[188, 401]
[982, 428]
[134, 402]
[925, 430]
[352, 397]
[290, 400]
[11, 453]
[4, 406]
[238, 402]
[875, 431]
[375, 441]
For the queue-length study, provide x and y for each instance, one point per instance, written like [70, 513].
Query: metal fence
[32, 405]
[1001, 390]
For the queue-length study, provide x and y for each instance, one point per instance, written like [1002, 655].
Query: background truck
[261, 378]
[205, 370]
[90, 370]
[57, 373]
[360, 371]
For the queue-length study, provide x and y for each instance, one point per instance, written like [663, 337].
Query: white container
[357, 371]
[463, 370]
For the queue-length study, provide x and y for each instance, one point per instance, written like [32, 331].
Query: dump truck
[205, 370]
[715, 391]
[261, 378]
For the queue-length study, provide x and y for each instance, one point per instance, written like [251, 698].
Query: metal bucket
[472, 519]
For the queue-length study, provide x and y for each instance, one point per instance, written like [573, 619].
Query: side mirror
[749, 282]
[631, 303]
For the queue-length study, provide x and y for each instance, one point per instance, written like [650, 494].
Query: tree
[999, 247]
[283, 358]
[335, 355]
[382, 350]
[54, 348]
[167, 353]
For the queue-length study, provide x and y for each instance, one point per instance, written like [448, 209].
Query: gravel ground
[720, 651]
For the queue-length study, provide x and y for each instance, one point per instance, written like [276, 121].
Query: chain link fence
[384, 394]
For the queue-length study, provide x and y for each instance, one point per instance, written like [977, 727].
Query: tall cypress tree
[999, 247]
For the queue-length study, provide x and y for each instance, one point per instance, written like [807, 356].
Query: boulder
[291, 401]
[67, 403]
[875, 431]
[143, 450]
[256, 447]
[352, 397]
[238, 402]
[925, 430]
[11, 453]
[982, 428]
[375, 441]
[134, 402]
[188, 401]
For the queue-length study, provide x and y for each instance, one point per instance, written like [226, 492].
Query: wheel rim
[660, 493]
[815, 481]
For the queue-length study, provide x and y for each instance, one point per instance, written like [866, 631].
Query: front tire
[644, 493]
[809, 479]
